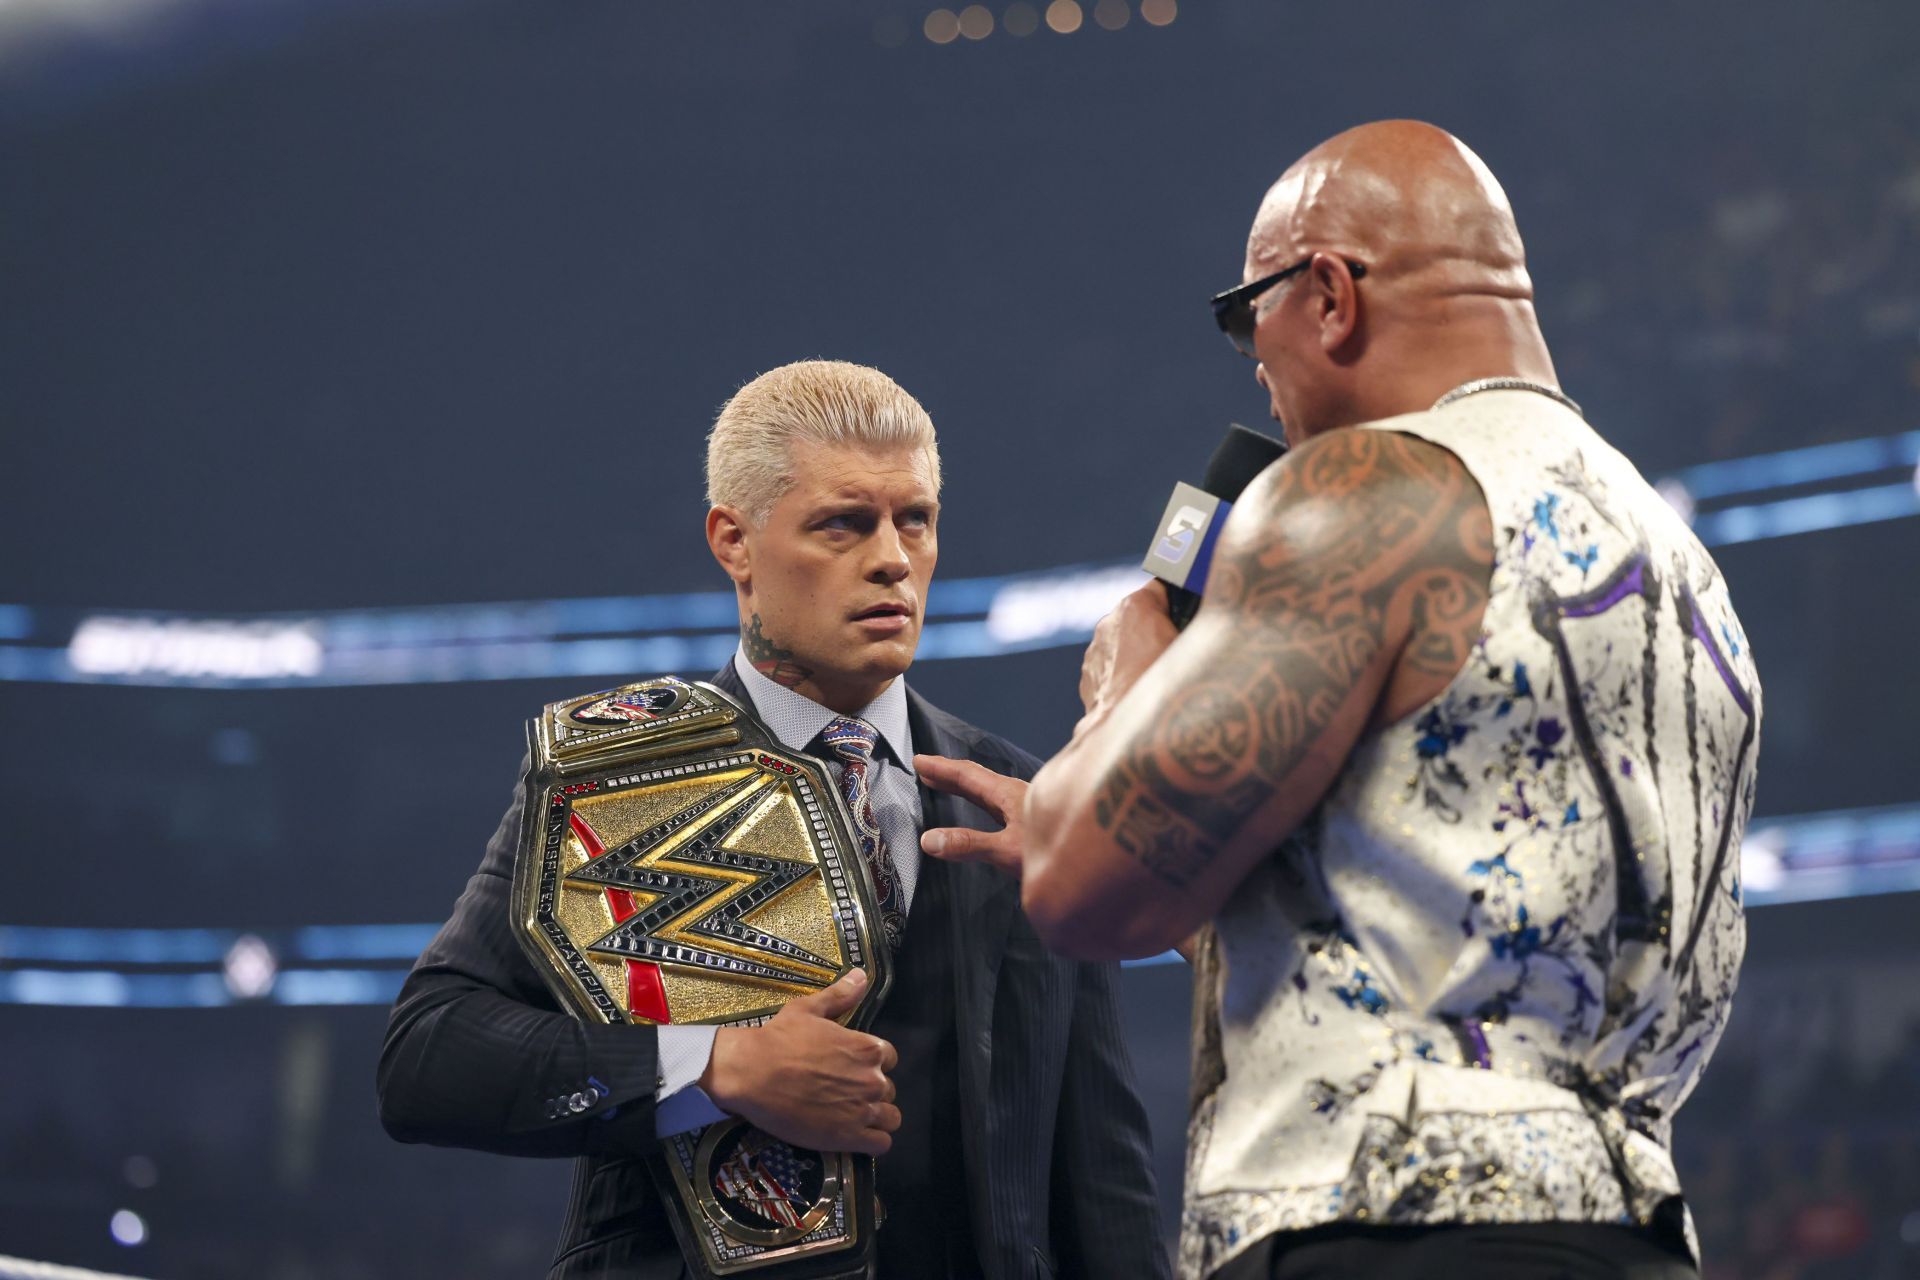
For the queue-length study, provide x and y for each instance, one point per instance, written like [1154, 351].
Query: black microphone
[1182, 550]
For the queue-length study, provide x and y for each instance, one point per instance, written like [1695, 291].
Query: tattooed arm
[1346, 591]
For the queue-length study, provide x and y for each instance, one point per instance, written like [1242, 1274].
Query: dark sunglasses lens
[1233, 312]
[1238, 323]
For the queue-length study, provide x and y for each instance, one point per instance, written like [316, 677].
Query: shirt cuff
[680, 1103]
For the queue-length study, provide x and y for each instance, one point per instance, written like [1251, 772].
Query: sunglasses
[1233, 310]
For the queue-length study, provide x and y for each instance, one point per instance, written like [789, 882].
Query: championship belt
[678, 866]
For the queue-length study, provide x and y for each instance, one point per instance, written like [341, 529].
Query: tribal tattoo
[1395, 549]
[769, 659]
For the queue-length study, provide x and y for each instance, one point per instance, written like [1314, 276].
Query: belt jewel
[678, 866]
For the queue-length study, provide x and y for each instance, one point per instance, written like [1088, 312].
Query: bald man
[1449, 774]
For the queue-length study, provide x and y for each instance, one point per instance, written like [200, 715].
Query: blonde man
[994, 1086]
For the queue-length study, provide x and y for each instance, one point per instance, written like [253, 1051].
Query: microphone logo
[1177, 538]
[1183, 543]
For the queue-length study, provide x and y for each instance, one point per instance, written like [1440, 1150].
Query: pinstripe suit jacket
[1055, 1139]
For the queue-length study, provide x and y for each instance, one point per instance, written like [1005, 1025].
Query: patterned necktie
[852, 742]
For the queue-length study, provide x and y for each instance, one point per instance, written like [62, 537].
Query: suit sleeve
[1106, 1215]
[479, 1055]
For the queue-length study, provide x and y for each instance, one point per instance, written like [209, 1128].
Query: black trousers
[1508, 1251]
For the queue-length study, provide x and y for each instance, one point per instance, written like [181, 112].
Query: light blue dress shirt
[796, 720]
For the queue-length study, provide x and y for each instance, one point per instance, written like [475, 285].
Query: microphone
[1182, 550]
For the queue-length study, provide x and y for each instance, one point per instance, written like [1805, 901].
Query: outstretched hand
[1003, 797]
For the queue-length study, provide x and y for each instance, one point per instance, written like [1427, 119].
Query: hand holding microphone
[1127, 642]
[1182, 550]
[1138, 631]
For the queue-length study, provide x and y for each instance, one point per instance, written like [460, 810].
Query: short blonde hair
[749, 450]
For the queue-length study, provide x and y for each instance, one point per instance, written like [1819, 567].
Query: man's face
[1281, 317]
[836, 577]
[1275, 338]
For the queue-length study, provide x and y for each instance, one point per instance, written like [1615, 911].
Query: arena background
[355, 359]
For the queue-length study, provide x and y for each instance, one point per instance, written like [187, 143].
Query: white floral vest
[1476, 985]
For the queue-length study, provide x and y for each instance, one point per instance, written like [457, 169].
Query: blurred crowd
[1819, 1184]
[1777, 288]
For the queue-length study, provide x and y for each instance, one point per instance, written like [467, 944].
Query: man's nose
[889, 563]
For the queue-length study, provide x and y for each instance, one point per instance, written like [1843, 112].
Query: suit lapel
[983, 900]
[727, 680]
[981, 903]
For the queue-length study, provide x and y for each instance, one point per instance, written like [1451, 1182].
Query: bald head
[1443, 295]
[1408, 199]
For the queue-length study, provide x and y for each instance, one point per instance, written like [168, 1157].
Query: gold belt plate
[678, 866]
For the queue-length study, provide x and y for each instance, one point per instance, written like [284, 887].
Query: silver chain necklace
[1466, 389]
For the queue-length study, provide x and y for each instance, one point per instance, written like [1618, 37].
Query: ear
[727, 539]
[1336, 301]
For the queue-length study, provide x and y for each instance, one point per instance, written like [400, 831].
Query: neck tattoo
[769, 659]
